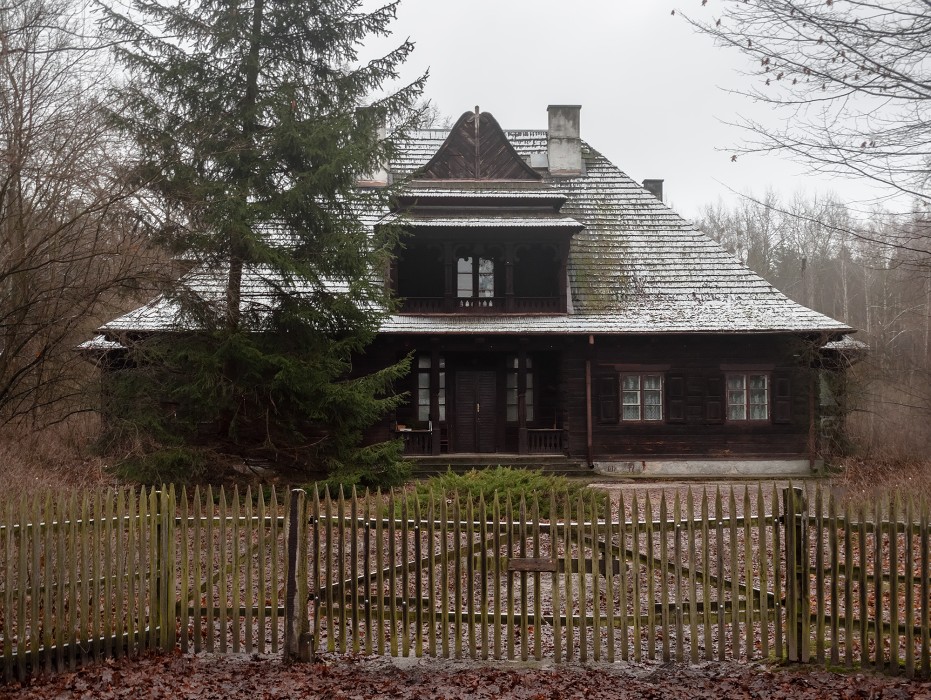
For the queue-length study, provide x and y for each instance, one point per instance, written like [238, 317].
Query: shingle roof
[637, 267]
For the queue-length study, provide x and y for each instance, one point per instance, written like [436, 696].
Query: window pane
[512, 380]
[735, 398]
[631, 382]
[735, 381]
[653, 412]
[652, 398]
[631, 398]
[652, 381]
[486, 277]
[632, 412]
[758, 396]
[512, 413]
[423, 380]
[758, 381]
[737, 412]
[464, 277]
[529, 382]
[758, 412]
[442, 411]
[529, 398]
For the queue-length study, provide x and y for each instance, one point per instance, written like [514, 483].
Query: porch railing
[545, 441]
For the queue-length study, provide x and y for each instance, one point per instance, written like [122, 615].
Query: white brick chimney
[378, 178]
[564, 145]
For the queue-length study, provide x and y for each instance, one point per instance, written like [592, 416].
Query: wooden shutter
[782, 399]
[714, 400]
[607, 399]
[675, 398]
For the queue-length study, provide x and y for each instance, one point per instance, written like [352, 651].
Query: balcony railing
[481, 305]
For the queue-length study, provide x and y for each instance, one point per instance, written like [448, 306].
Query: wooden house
[558, 310]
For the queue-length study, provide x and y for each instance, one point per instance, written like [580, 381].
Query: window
[512, 387]
[641, 397]
[475, 277]
[423, 389]
[748, 396]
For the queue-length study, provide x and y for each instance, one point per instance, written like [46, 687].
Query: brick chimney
[564, 146]
[654, 187]
[378, 178]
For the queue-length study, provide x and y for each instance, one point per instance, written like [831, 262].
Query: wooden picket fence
[127, 571]
[736, 575]
[732, 575]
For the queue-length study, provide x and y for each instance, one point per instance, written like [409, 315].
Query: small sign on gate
[534, 564]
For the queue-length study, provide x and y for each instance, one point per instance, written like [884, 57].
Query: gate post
[798, 616]
[297, 626]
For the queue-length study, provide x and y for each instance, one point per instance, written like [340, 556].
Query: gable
[477, 149]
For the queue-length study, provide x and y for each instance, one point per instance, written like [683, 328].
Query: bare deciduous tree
[69, 249]
[852, 79]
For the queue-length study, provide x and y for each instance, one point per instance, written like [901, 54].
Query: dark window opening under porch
[483, 403]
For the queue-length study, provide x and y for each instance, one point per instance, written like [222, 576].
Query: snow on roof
[637, 267]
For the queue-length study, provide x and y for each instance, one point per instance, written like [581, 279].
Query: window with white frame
[641, 397]
[475, 277]
[748, 396]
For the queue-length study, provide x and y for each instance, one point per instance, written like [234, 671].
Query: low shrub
[170, 465]
[509, 485]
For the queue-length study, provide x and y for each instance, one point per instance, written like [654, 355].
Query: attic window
[475, 277]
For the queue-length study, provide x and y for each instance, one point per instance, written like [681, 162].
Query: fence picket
[622, 570]
[380, 576]
[677, 553]
[457, 584]
[341, 628]
[582, 588]
[819, 576]
[554, 577]
[848, 585]
[762, 525]
[470, 580]
[706, 576]
[651, 583]
[8, 548]
[367, 574]
[635, 573]
[276, 554]
[862, 587]
[664, 569]
[748, 579]
[354, 570]
[894, 583]
[777, 577]
[925, 592]
[524, 626]
[597, 563]
[835, 585]
[909, 589]
[444, 573]
[537, 583]
[250, 602]
[735, 577]
[483, 574]
[693, 589]
[609, 574]
[496, 574]
[567, 580]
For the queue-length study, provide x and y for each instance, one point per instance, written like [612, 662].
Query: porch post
[509, 277]
[435, 400]
[522, 447]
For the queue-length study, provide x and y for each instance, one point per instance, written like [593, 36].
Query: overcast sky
[651, 89]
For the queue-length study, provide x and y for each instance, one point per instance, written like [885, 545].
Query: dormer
[486, 234]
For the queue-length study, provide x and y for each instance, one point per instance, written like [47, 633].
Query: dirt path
[183, 677]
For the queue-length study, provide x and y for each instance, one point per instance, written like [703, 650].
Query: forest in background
[871, 271]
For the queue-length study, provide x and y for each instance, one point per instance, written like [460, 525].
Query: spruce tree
[251, 121]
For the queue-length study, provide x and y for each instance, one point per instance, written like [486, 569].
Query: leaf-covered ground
[205, 677]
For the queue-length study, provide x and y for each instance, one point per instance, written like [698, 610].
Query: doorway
[476, 413]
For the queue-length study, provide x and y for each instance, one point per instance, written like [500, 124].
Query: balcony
[482, 305]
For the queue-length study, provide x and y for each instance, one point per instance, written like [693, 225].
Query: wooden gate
[682, 579]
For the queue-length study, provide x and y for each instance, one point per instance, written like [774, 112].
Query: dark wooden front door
[475, 411]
